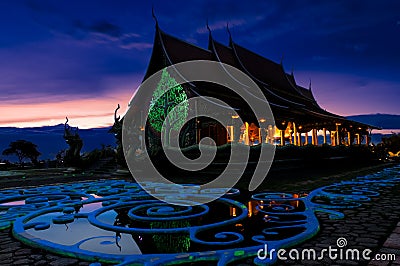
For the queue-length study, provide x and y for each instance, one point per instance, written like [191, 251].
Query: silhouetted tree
[23, 150]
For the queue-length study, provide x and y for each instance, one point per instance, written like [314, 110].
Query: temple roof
[286, 98]
[181, 51]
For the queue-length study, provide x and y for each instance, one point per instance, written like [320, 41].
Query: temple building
[299, 120]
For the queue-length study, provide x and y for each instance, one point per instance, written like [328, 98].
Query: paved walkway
[390, 246]
[375, 225]
[369, 226]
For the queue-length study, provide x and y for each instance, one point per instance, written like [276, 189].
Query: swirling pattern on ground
[283, 220]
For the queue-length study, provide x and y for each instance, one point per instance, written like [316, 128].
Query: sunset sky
[81, 58]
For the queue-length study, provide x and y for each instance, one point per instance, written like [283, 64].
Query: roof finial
[283, 55]
[229, 32]
[208, 27]
[153, 15]
[292, 71]
[309, 85]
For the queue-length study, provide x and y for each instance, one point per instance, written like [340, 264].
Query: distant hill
[383, 121]
[49, 139]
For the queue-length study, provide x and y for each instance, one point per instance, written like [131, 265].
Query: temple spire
[154, 16]
[309, 85]
[292, 71]
[282, 57]
[229, 33]
[210, 40]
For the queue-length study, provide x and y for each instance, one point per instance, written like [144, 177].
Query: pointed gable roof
[284, 95]
[179, 50]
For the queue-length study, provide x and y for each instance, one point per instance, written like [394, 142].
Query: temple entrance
[215, 131]
[250, 134]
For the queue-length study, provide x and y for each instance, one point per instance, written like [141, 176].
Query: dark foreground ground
[373, 225]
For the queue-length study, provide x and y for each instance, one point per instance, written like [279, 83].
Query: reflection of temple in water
[254, 206]
[299, 120]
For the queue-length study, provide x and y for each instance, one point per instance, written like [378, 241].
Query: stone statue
[72, 155]
[116, 129]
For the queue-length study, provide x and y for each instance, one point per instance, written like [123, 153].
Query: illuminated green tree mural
[171, 243]
[163, 103]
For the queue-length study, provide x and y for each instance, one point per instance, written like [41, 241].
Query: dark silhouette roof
[288, 100]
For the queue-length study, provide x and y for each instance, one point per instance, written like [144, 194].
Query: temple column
[246, 134]
[142, 138]
[366, 139]
[324, 130]
[312, 137]
[348, 138]
[316, 136]
[260, 135]
[231, 133]
[337, 134]
[306, 138]
[282, 137]
[299, 140]
[236, 129]
[333, 138]
[294, 134]
[271, 134]
[358, 139]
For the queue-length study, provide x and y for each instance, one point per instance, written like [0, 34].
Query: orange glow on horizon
[83, 113]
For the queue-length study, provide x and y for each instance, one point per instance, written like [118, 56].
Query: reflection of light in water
[266, 218]
[81, 229]
[22, 202]
[254, 206]
[91, 207]
[239, 227]
[13, 203]
[232, 211]
[250, 209]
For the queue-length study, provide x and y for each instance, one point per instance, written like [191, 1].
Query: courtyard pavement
[375, 225]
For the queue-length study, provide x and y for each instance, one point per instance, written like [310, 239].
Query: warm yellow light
[235, 116]
[232, 211]
[262, 120]
[250, 208]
